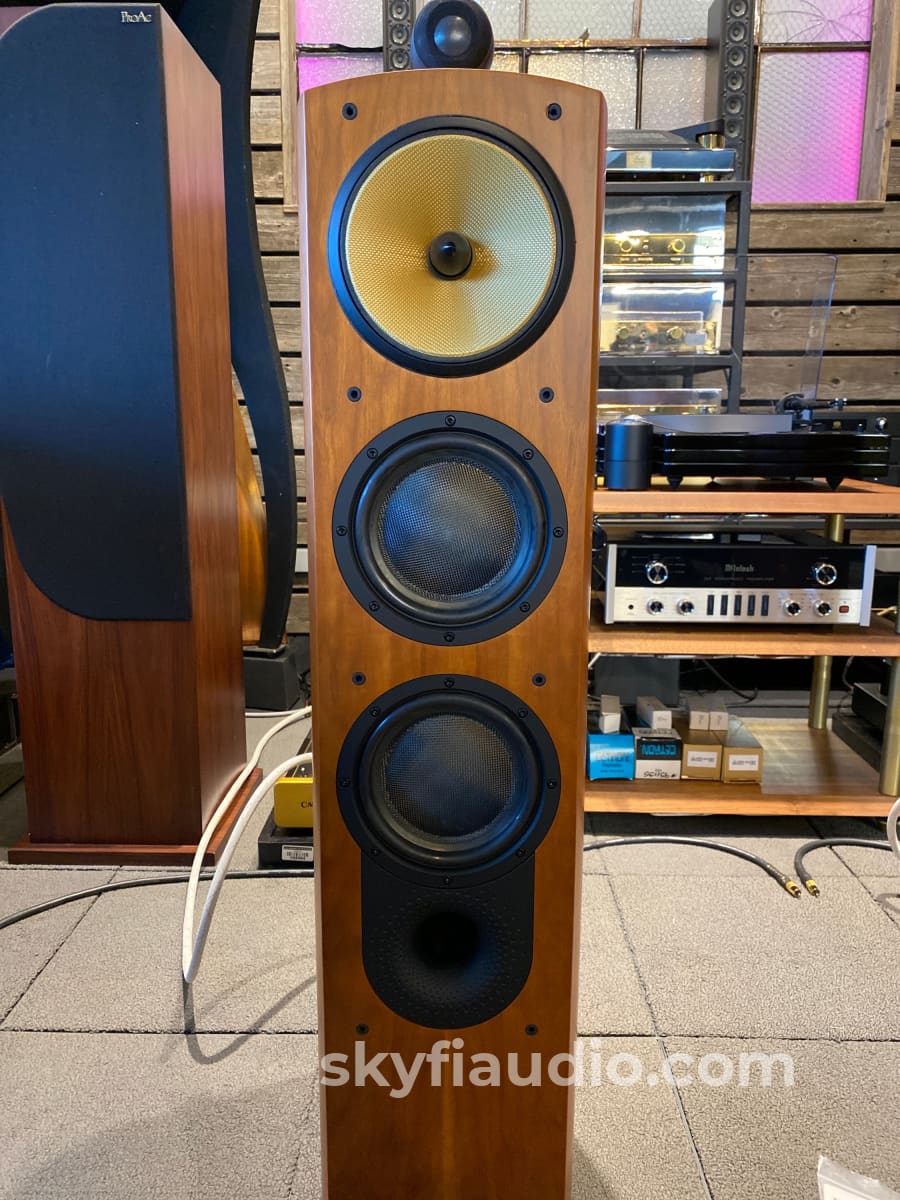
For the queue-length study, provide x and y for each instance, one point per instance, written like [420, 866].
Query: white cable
[893, 818]
[190, 900]
[264, 712]
[190, 964]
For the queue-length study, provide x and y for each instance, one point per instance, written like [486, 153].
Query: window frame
[883, 48]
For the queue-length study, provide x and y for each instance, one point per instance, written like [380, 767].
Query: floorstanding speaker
[450, 282]
[117, 468]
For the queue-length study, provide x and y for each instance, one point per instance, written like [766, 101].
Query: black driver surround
[421, 363]
[399, 552]
[448, 781]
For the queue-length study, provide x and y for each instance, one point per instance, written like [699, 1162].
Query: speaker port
[685, 607]
[823, 608]
[792, 608]
[655, 607]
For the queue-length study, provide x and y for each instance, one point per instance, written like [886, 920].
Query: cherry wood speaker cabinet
[117, 452]
[450, 280]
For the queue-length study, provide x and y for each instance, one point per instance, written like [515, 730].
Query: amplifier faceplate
[762, 581]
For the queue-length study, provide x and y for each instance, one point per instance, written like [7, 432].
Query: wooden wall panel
[862, 361]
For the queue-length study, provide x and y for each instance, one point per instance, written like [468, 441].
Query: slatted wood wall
[863, 350]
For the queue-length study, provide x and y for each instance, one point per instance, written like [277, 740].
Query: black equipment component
[629, 454]
[798, 454]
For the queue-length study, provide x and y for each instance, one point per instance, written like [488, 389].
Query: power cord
[747, 699]
[892, 822]
[191, 949]
[671, 840]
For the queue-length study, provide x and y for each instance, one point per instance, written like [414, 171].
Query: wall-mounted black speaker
[399, 16]
[730, 77]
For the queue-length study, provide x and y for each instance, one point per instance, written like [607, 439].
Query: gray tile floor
[104, 1095]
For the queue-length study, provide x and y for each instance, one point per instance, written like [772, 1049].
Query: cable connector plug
[793, 888]
[812, 887]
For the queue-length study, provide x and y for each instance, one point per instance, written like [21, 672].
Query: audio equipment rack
[686, 365]
[808, 771]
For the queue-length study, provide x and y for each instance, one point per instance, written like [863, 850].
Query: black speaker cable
[671, 840]
[142, 881]
[819, 844]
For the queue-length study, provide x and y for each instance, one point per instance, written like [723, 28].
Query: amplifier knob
[685, 607]
[657, 572]
[655, 606]
[825, 574]
[792, 608]
[823, 608]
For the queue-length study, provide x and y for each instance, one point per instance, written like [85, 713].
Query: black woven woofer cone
[449, 528]
[448, 774]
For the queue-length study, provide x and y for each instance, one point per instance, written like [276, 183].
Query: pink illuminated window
[809, 127]
[316, 69]
[811, 143]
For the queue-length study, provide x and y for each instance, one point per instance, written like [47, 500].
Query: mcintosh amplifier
[748, 578]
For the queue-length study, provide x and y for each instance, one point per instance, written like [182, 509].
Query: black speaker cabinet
[730, 78]
[450, 257]
[117, 450]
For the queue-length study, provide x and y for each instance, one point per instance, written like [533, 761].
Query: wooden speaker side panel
[109, 757]
[200, 277]
[449, 1142]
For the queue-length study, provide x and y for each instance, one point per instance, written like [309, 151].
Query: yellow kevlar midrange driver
[451, 246]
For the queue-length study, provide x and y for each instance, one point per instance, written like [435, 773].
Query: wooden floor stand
[79, 854]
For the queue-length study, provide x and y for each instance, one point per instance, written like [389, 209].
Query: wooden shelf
[806, 772]
[852, 498]
[879, 640]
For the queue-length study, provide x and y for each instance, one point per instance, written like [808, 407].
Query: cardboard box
[742, 754]
[611, 755]
[698, 713]
[610, 714]
[701, 756]
[653, 713]
[718, 713]
[657, 753]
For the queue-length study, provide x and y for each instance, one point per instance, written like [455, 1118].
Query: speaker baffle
[498, 196]
[452, 33]
[449, 527]
[448, 782]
